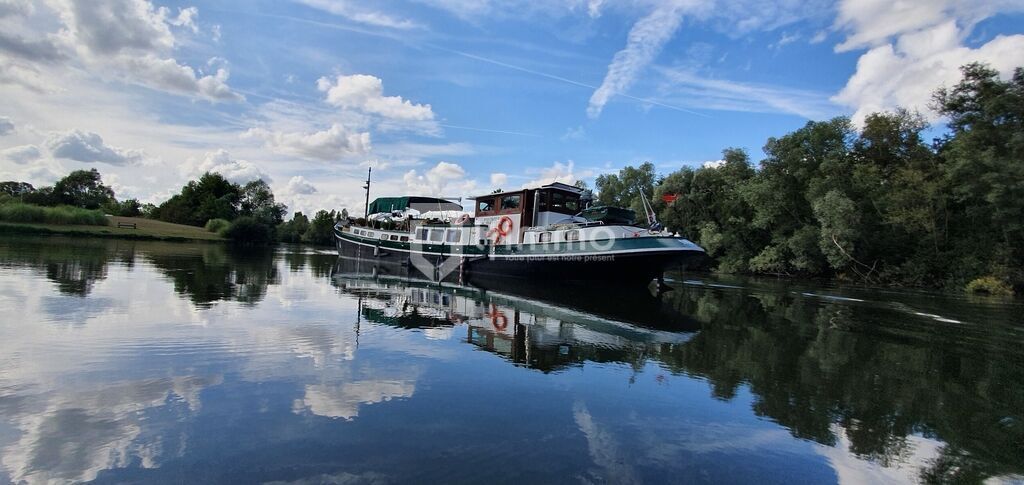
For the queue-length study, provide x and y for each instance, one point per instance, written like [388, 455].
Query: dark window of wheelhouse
[557, 201]
[485, 205]
[566, 204]
[511, 202]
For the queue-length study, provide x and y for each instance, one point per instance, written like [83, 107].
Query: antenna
[652, 217]
[366, 211]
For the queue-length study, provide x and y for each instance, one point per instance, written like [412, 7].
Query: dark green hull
[627, 261]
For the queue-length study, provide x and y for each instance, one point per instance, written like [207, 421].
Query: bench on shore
[126, 225]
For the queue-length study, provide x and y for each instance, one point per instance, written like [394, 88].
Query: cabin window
[566, 204]
[557, 200]
[573, 235]
[394, 237]
[453, 236]
[421, 234]
[545, 237]
[436, 235]
[485, 205]
[542, 201]
[511, 202]
[404, 239]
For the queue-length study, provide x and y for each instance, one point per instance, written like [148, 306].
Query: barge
[535, 233]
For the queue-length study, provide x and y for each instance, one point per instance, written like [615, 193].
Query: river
[134, 361]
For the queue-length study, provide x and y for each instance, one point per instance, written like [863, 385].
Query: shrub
[250, 232]
[63, 215]
[989, 285]
[217, 225]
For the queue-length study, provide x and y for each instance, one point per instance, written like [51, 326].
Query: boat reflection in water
[886, 388]
[540, 326]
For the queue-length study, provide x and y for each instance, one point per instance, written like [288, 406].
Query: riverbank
[145, 229]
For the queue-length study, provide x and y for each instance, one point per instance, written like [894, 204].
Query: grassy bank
[147, 229]
[18, 212]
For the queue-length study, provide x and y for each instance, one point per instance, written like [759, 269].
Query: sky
[454, 97]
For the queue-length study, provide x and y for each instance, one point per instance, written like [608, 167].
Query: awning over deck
[422, 204]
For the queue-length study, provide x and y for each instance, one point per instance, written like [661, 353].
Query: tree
[627, 188]
[321, 229]
[16, 189]
[210, 197]
[293, 230]
[82, 188]
[984, 168]
[125, 208]
[256, 200]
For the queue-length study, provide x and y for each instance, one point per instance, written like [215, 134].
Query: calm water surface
[127, 361]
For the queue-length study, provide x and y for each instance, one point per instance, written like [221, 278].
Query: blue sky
[454, 97]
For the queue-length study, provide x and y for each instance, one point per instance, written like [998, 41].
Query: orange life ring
[502, 229]
[462, 219]
[498, 319]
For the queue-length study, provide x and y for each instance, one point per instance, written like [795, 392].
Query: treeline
[880, 205]
[247, 213]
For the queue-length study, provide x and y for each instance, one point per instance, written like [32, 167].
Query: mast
[366, 210]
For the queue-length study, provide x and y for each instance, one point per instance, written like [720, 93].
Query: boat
[534, 233]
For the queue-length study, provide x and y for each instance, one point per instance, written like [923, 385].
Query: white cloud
[187, 18]
[713, 164]
[10, 8]
[558, 172]
[366, 93]
[435, 181]
[356, 13]
[112, 27]
[298, 185]
[130, 40]
[498, 180]
[925, 54]
[645, 41]
[872, 23]
[331, 144]
[84, 146]
[168, 75]
[220, 161]
[21, 154]
[6, 126]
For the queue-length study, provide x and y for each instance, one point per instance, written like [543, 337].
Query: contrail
[562, 79]
[377, 33]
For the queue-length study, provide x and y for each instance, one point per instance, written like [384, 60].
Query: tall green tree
[256, 200]
[626, 188]
[82, 188]
[321, 228]
[984, 168]
[210, 197]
